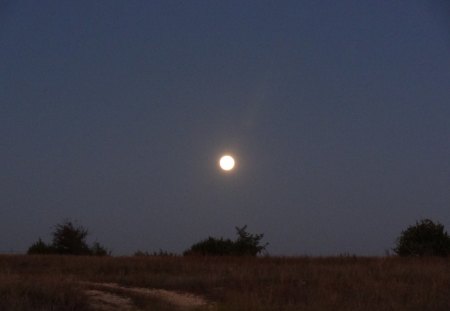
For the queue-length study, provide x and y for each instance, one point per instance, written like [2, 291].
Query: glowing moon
[226, 163]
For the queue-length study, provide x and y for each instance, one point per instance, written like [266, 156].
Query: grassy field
[338, 283]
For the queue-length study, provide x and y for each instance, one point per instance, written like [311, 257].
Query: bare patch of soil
[105, 301]
[102, 299]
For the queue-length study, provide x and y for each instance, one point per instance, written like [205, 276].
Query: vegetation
[232, 283]
[40, 247]
[160, 253]
[246, 244]
[68, 239]
[99, 250]
[235, 279]
[20, 291]
[425, 238]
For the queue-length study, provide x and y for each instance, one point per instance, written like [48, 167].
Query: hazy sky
[114, 114]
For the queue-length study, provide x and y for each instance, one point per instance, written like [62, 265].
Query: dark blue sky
[114, 113]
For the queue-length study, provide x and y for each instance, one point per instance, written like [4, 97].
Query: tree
[246, 244]
[68, 239]
[425, 238]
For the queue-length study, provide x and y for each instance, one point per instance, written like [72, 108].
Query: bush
[160, 253]
[213, 247]
[425, 238]
[245, 245]
[99, 250]
[68, 239]
[40, 247]
[248, 244]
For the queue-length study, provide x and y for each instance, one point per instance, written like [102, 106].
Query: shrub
[245, 245]
[213, 247]
[68, 239]
[248, 244]
[98, 250]
[425, 238]
[40, 247]
[160, 253]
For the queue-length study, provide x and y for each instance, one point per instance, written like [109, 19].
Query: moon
[227, 163]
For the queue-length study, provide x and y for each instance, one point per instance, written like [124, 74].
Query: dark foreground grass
[340, 283]
[43, 292]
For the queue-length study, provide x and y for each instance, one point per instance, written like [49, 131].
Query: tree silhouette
[246, 244]
[68, 239]
[425, 238]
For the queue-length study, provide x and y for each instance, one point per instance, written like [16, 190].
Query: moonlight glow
[226, 163]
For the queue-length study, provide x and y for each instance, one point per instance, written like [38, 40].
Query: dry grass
[340, 283]
[40, 292]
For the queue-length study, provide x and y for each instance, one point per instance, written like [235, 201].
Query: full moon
[226, 163]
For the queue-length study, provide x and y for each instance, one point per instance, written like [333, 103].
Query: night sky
[115, 113]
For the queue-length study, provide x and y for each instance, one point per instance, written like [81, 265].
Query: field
[205, 283]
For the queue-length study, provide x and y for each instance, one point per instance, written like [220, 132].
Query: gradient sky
[114, 114]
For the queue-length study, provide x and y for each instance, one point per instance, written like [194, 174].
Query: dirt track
[103, 297]
[104, 301]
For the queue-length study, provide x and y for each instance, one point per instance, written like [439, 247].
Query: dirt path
[102, 299]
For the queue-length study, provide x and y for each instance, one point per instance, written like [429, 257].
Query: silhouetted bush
[40, 247]
[213, 247]
[160, 253]
[425, 238]
[245, 245]
[248, 244]
[68, 239]
[99, 250]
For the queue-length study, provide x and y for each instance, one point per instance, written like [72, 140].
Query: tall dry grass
[339, 283]
[40, 293]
